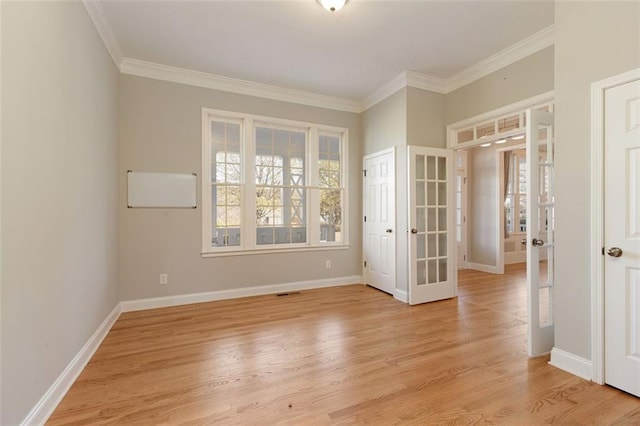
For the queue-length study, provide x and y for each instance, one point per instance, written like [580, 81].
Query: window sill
[246, 252]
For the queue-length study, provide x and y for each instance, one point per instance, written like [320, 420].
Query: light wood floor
[346, 355]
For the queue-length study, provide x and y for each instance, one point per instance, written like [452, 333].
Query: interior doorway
[490, 197]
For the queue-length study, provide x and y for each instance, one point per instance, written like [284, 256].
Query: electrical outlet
[327, 264]
[164, 278]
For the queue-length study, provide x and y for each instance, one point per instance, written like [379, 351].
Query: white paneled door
[432, 243]
[622, 237]
[540, 237]
[379, 217]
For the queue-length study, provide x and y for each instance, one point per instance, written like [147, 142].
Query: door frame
[391, 151]
[465, 202]
[500, 172]
[598, 89]
[470, 124]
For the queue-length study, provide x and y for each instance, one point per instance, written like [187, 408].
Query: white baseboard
[50, 400]
[482, 268]
[210, 296]
[40, 413]
[571, 363]
[401, 295]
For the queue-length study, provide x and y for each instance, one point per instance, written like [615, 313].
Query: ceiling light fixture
[517, 138]
[332, 5]
[484, 145]
[498, 142]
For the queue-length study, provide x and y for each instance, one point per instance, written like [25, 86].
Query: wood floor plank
[344, 355]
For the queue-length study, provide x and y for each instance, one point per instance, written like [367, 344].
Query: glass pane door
[540, 237]
[432, 239]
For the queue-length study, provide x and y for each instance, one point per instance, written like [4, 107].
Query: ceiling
[298, 45]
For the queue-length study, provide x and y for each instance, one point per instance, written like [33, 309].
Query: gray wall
[594, 40]
[161, 130]
[528, 77]
[59, 194]
[384, 125]
[481, 212]
[425, 118]
[425, 127]
[408, 117]
[521, 80]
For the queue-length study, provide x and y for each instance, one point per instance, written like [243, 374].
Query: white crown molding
[397, 83]
[96, 13]
[402, 80]
[227, 84]
[530, 45]
[520, 50]
[426, 82]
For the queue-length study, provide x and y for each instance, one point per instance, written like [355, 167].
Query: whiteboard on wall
[168, 190]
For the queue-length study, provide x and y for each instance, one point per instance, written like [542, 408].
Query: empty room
[319, 212]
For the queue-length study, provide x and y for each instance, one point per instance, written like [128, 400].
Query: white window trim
[516, 195]
[536, 102]
[248, 245]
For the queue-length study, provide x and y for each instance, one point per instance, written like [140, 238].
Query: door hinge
[464, 257]
[603, 251]
[365, 173]
[365, 218]
[365, 263]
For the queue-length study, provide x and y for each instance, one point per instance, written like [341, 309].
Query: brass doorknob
[614, 252]
[414, 231]
[537, 242]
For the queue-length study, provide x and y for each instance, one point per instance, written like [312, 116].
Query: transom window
[271, 184]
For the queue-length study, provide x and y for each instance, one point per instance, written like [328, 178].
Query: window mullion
[249, 186]
[313, 207]
[344, 182]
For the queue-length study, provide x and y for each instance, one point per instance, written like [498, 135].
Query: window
[225, 183]
[331, 193]
[515, 203]
[280, 191]
[271, 184]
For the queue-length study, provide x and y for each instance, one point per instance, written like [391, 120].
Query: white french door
[432, 243]
[540, 237]
[622, 236]
[379, 225]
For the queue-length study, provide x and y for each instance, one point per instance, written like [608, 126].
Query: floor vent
[287, 294]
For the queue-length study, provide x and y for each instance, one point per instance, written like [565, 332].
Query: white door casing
[622, 237]
[460, 217]
[379, 221]
[540, 236]
[432, 243]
